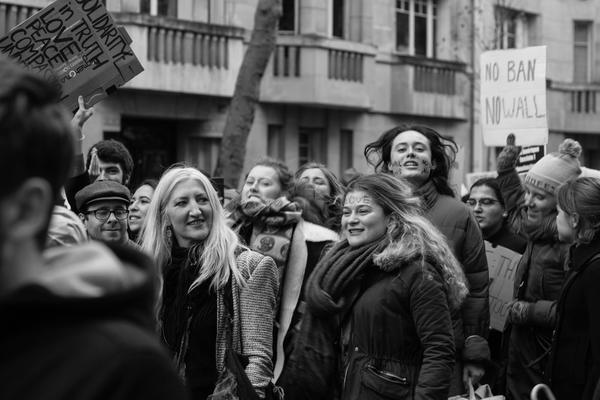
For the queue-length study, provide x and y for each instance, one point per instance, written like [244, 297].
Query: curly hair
[443, 154]
[113, 151]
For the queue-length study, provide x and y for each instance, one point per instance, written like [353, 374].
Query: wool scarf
[272, 227]
[338, 273]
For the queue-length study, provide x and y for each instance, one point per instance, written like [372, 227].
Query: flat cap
[101, 190]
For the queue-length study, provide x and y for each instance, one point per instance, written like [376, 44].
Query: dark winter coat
[457, 224]
[401, 344]
[506, 238]
[538, 280]
[575, 357]
[85, 330]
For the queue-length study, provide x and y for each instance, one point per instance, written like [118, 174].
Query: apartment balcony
[573, 107]
[422, 87]
[184, 56]
[317, 71]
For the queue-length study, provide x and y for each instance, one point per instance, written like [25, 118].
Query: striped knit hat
[555, 169]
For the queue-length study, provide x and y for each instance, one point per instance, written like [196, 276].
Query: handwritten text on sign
[76, 45]
[502, 264]
[513, 96]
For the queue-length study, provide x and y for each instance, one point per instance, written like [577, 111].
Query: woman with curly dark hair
[423, 158]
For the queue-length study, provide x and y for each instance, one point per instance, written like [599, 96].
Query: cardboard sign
[513, 96]
[502, 264]
[76, 45]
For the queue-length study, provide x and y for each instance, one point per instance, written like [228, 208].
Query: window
[167, 8]
[337, 18]
[312, 145]
[203, 152]
[346, 149]
[581, 51]
[288, 22]
[275, 142]
[416, 27]
[145, 6]
[506, 21]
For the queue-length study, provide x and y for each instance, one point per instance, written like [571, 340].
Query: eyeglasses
[102, 214]
[485, 202]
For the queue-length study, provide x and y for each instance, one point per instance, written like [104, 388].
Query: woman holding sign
[487, 203]
[423, 158]
[540, 273]
[575, 360]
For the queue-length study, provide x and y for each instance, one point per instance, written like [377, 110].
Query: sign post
[513, 96]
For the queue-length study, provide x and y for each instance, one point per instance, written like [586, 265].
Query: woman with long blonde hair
[208, 278]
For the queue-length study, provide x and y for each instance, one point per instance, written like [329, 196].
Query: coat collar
[584, 252]
[428, 194]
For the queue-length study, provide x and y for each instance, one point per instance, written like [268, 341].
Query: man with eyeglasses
[102, 207]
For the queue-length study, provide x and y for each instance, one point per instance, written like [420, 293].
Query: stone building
[343, 72]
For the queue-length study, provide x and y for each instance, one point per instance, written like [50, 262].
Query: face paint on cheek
[396, 168]
[426, 167]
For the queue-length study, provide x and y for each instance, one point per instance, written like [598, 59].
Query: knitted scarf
[272, 227]
[339, 273]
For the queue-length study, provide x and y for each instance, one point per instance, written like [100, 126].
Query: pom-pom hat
[554, 169]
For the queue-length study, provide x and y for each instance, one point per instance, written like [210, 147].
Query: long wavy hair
[411, 234]
[582, 197]
[443, 154]
[216, 254]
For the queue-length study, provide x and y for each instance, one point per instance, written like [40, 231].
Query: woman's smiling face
[363, 220]
[411, 158]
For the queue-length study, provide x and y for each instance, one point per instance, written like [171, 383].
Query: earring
[169, 235]
[504, 214]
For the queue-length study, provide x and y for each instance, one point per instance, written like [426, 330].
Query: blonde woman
[208, 275]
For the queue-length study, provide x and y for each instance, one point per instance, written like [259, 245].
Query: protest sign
[502, 264]
[513, 96]
[76, 45]
[528, 157]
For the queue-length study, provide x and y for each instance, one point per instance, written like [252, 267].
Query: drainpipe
[472, 94]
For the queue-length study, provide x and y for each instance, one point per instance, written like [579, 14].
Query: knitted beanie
[555, 169]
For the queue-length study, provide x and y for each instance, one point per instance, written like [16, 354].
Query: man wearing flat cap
[102, 207]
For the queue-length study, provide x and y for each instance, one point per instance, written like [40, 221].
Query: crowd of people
[300, 285]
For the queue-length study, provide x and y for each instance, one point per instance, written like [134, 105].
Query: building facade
[343, 71]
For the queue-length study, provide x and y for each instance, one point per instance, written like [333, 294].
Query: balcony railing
[430, 79]
[12, 15]
[316, 70]
[345, 65]
[584, 101]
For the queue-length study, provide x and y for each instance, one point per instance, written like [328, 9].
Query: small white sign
[513, 96]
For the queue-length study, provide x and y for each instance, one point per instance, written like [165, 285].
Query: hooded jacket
[85, 330]
[402, 344]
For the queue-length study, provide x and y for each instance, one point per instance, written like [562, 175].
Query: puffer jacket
[401, 343]
[538, 281]
[458, 225]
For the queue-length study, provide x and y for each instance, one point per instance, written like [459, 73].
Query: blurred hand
[507, 159]
[474, 372]
[518, 312]
[82, 114]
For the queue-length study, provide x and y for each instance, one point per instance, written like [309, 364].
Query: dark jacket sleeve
[431, 315]
[514, 196]
[475, 309]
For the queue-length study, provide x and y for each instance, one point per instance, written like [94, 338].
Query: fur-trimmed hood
[397, 255]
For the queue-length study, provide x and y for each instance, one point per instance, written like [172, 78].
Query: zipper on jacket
[388, 376]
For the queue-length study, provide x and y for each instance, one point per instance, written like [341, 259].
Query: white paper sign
[513, 96]
[502, 264]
